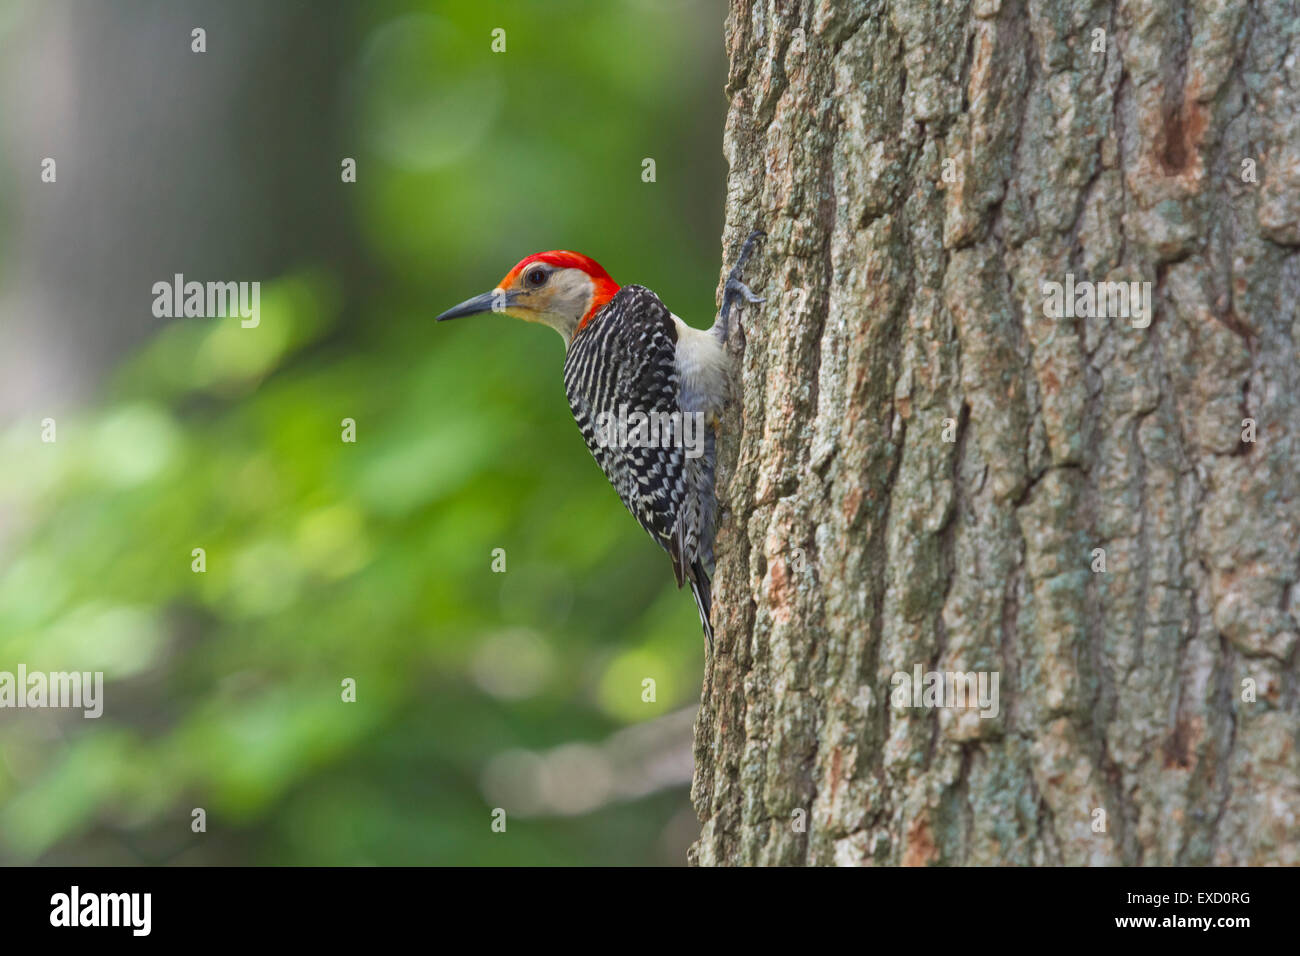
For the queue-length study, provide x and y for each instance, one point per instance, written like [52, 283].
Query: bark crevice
[922, 171]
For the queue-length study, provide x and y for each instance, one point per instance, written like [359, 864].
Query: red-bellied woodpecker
[645, 388]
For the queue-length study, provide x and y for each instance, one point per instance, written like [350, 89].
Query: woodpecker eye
[537, 277]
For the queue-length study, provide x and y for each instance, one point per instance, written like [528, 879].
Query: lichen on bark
[922, 169]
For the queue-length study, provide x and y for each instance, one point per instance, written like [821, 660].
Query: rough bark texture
[860, 543]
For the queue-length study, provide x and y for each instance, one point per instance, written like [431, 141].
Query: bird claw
[734, 288]
[734, 285]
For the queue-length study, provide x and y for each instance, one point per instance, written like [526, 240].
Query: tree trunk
[928, 468]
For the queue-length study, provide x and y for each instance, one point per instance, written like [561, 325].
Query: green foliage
[371, 560]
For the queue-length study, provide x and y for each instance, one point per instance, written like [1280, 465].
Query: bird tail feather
[702, 590]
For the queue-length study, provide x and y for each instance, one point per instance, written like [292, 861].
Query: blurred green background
[328, 560]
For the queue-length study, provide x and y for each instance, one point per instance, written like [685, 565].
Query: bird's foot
[735, 288]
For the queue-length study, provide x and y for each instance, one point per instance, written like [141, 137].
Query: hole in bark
[1181, 135]
[1176, 749]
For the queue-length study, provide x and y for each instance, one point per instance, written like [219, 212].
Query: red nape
[603, 287]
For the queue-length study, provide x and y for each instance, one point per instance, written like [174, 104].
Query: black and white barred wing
[622, 384]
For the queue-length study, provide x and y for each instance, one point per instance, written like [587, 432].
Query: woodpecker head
[560, 289]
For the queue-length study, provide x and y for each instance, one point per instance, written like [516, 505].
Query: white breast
[704, 369]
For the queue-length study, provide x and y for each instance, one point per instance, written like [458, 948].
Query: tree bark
[1148, 712]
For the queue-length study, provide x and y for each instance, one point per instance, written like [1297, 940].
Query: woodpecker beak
[494, 301]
